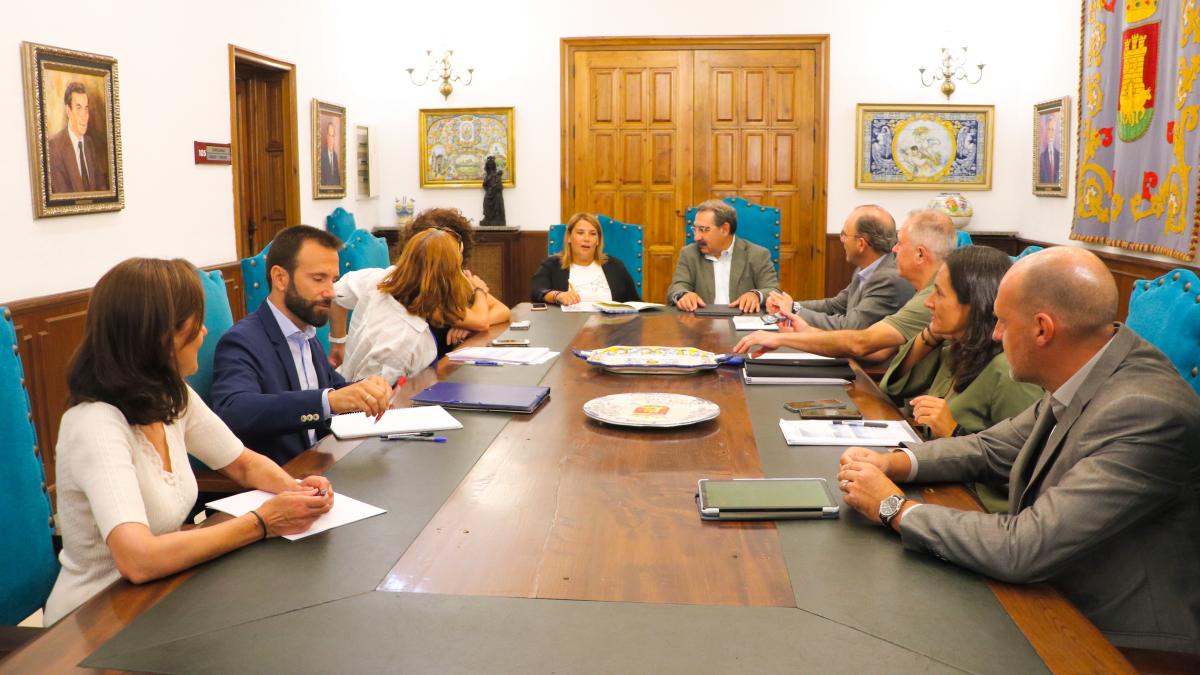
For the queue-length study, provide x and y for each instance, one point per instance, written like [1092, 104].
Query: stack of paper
[501, 356]
[880, 434]
[394, 421]
[627, 307]
[345, 511]
[789, 356]
[752, 322]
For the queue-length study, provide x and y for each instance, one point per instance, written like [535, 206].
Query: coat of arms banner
[1139, 141]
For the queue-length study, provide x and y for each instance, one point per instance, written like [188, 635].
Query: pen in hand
[400, 382]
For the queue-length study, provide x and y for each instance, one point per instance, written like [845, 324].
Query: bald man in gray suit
[1102, 473]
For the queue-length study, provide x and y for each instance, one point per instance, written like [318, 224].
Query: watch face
[890, 506]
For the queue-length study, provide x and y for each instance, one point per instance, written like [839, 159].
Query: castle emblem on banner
[1139, 69]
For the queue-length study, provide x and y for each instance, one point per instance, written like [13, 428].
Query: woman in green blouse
[957, 373]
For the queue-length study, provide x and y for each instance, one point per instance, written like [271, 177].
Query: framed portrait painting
[1051, 147]
[73, 125]
[328, 150]
[456, 142]
[920, 147]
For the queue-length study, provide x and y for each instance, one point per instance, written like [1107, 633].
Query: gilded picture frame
[328, 150]
[455, 143]
[73, 128]
[923, 147]
[1052, 147]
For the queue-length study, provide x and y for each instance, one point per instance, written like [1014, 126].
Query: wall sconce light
[953, 68]
[440, 69]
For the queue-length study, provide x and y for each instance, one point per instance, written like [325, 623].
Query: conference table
[554, 543]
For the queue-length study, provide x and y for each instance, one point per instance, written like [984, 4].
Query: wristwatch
[890, 508]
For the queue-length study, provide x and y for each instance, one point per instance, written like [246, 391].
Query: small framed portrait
[456, 142]
[1051, 147]
[328, 150]
[921, 147]
[366, 188]
[73, 124]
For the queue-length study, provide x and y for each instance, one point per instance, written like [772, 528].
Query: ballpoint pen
[855, 423]
[427, 439]
[400, 382]
[396, 437]
[482, 363]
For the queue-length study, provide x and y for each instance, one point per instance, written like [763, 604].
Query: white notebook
[345, 510]
[848, 432]
[394, 421]
[752, 322]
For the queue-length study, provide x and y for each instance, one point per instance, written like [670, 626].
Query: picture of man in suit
[74, 163]
[331, 168]
[1049, 155]
[1101, 473]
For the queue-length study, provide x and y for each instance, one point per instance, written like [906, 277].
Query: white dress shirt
[383, 338]
[722, 267]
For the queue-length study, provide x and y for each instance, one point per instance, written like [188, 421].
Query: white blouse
[108, 473]
[591, 284]
[383, 338]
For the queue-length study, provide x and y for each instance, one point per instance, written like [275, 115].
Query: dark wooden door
[265, 159]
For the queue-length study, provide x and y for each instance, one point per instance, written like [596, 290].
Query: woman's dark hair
[975, 273]
[127, 357]
[451, 220]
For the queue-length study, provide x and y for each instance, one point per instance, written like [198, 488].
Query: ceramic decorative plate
[652, 360]
[651, 410]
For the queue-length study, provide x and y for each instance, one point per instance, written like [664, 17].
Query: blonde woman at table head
[124, 482]
[582, 272]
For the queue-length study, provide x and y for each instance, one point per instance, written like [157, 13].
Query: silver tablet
[765, 499]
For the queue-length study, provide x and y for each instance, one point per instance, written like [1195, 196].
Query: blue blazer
[256, 390]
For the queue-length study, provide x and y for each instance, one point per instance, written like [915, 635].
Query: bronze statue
[493, 197]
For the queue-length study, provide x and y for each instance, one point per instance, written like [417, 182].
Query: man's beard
[306, 310]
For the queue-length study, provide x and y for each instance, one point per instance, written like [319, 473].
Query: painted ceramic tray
[651, 410]
[652, 360]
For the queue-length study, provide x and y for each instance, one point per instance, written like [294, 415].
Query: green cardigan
[993, 395]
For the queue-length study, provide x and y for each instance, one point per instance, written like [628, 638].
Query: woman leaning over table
[581, 272]
[400, 311]
[955, 373]
[124, 482]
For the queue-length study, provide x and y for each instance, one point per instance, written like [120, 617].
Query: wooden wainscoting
[1127, 269]
[529, 253]
[49, 328]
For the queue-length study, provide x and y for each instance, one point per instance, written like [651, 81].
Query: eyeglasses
[448, 231]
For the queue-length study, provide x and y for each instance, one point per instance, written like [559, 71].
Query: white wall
[174, 85]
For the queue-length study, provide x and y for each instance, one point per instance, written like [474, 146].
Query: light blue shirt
[866, 272]
[722, 267]
[302, 357]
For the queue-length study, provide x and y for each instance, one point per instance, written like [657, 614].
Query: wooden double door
[652, 131]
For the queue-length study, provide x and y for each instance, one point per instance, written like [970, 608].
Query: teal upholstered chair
[341, 223]
[757, 224]
[962, 239]
[28, 567]
[1166, 312]
[363, 250]
[256, 289]
[218, 318]
[1029, 250]
[623, 241]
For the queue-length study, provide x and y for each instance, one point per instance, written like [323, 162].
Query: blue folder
[497, 397]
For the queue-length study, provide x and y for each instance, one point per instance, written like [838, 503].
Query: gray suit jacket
[751, 270]
[861, 303]
[1106, 511]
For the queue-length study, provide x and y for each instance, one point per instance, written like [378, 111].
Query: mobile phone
[519, 325]
[772, 319]
[539, 307]
[799, 406]
[510, 342]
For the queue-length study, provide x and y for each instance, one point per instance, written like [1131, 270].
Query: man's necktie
[83, 172]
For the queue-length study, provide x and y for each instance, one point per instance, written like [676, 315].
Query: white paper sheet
[345, 511]
[394, 421]
[503, 355]
[581, 307]
[786, 356]
[846, 432]
[752, 323]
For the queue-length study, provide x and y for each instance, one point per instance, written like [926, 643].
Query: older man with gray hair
[876, 289]
[1102, 473]
[923, 242]
[719, 268]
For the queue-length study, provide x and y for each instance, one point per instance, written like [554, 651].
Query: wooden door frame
[291, 144]
[568, 47]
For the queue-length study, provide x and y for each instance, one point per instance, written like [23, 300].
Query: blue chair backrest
[1029, 250]
[757, 224]
[623, 241]
[28, 567]
[256, 288]
[962, 239]
[341, 223]
[1166, 312]
[363, 250]
[218, 318]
